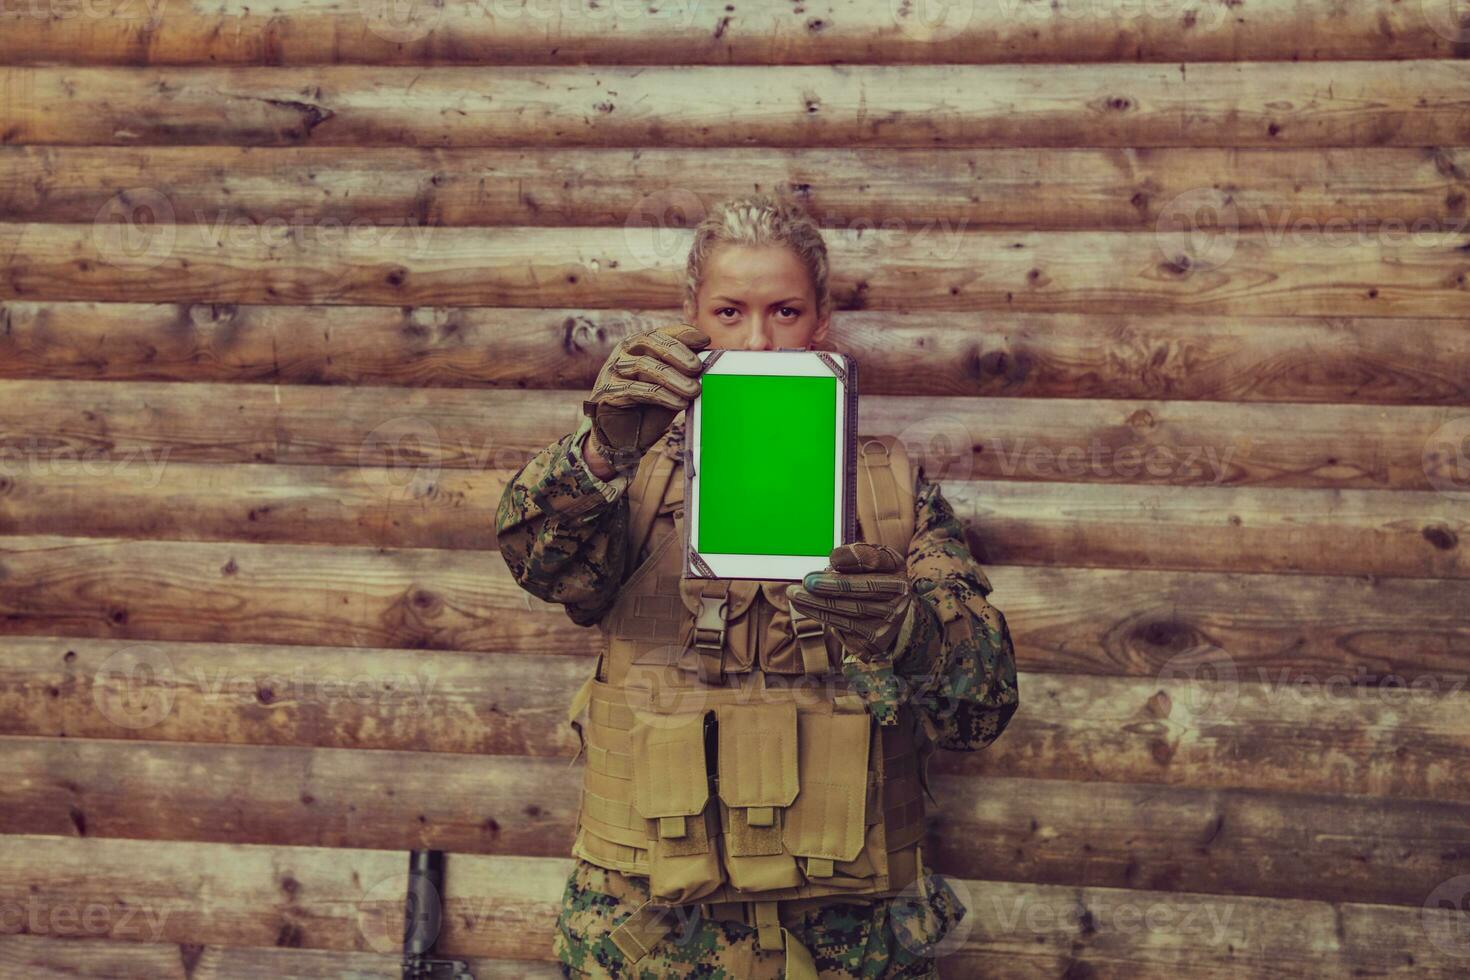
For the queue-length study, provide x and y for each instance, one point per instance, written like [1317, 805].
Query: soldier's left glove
[864, 594]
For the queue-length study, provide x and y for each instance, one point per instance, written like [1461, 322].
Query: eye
[721, 311]
[790, 312]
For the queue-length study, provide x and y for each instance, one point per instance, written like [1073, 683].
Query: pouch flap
[828, 819]
[669, 777]
[775, 592]
[758, 757]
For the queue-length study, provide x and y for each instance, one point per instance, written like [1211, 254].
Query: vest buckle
[709, 635]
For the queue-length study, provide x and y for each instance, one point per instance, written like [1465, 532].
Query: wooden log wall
[1172, 297]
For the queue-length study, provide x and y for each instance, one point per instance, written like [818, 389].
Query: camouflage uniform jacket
[563, 534]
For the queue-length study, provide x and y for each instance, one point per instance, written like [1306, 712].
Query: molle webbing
[646, 493]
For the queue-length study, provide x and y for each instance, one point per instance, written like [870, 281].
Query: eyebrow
[731, 299]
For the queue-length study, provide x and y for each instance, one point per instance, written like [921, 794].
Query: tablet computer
[770, 464]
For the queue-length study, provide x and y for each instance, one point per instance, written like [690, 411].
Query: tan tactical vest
[727, 760]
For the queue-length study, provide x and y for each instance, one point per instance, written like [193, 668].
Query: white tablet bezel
[787, 363]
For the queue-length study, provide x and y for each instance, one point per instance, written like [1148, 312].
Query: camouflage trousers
[885, 939]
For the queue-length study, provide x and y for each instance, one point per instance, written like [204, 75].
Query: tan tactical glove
[864, 595]
[647, 379]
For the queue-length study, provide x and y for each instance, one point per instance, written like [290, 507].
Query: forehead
[767, 271]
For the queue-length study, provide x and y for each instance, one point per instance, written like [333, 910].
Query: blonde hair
[756, 220]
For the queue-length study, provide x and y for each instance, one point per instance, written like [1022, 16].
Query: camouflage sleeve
[955, 660]
[563, 532]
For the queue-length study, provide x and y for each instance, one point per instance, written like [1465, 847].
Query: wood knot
[1442, 537]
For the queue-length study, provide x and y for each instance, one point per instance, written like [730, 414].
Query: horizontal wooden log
[1339, 103]
[1107, 621]
[235, 794]
[107, 427]
[1220, 841]
[1194, 721]
[1320, 532]
[1230, 529]
[302, 32]
[409, 598]
[370, 505]
[1360, 360]
[1204, 271]
[332, 697]
[310, 898]
[264, 896]
[1264, 729]
[52, 958]
[1026, 188]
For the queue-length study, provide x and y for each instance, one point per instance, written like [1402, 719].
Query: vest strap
[811, 640]
[881, 513]
[767, 926]
[647, 491]
[580, 701]
[770, 935]
[636, 935]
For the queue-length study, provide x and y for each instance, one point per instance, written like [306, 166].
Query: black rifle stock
[423, 914]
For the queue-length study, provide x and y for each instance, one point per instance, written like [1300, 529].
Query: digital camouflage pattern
[958, 665]
[886, 939]
[563, 534]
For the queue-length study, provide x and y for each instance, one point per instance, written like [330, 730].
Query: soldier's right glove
[647, 379]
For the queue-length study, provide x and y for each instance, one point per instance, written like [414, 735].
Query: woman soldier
[752, 877]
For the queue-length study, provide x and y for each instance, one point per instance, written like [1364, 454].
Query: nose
[758, 336]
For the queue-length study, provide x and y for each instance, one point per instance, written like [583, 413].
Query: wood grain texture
[1236, 103]
[318, 898]
[1392, 533]
[1176, 356]
[266, 896]
[292, 290]
[1197, 718]
[434, 701]
[65, 956]
[1184, 271]
[1220, 841]
[1104, 621]
[418, 432]
[1026, 188]
[297, 32]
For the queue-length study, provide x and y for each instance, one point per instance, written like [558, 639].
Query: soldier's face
[757, 299]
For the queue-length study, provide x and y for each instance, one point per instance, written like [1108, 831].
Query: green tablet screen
[768, 459]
